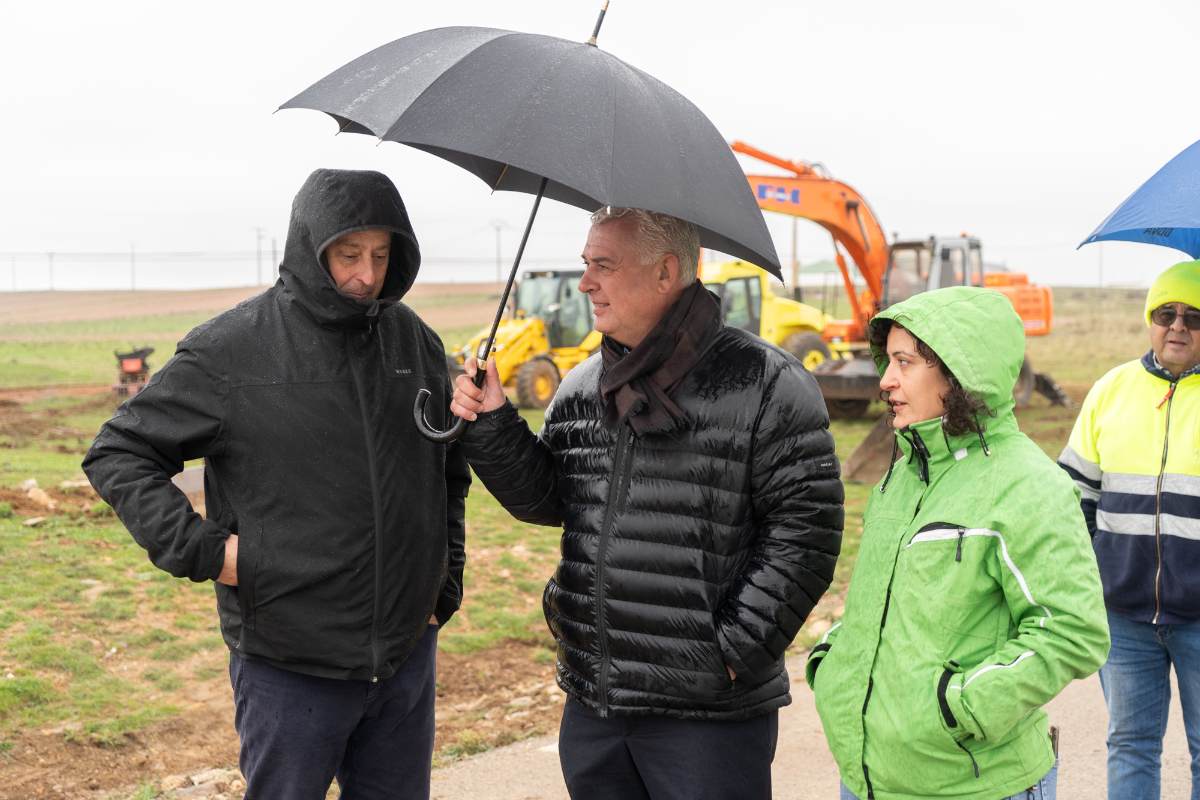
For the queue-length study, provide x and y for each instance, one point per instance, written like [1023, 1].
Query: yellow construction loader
[748, 302]
[547, 333]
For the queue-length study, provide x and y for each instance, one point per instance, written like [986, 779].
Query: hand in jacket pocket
[228, 574]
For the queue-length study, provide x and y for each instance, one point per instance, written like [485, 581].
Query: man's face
[358, 263]
[1175, 346]
[629, 298]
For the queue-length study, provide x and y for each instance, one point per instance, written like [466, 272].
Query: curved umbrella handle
[455, 431]
[428, 431]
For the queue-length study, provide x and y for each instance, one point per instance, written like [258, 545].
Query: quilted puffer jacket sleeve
[797, 501]
[516, 466]
[177, 417]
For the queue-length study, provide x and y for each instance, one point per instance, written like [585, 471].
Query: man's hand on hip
[469, 400]
[228, 574]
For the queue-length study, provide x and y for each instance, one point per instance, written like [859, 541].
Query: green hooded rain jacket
[975, 598]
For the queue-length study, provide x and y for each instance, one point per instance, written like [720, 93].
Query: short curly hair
[962, 408]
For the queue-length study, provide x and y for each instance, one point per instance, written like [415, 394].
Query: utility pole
[258, 237]
[498, 224]
[50, 264]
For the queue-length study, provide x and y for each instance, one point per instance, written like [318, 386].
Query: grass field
[112, 673]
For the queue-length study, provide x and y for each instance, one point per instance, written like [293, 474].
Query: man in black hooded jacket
[334, 531]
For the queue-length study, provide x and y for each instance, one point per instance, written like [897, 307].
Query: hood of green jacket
[976, 332]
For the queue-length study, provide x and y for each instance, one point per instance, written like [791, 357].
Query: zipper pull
[958, 553]
[1166, 397]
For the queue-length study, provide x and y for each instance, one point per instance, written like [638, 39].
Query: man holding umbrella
[692, 471]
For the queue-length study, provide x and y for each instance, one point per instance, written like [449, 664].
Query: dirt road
[41, 307]
[804, 769]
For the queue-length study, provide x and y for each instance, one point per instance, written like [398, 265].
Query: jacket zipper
[617, 487]
[1162, 468]
[887, 604]
[378, 512]
[958, 552]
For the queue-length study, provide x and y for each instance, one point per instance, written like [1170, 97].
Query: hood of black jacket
[332, 203]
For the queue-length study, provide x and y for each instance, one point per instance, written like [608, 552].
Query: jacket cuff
[732, 659]
[814, 662]
[211, 557]
[952, 709]
[488, 423]
[448, 602]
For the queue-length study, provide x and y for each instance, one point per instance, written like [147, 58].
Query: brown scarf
[637, 384]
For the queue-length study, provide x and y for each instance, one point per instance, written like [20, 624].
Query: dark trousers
[299, 732]
[661, 758]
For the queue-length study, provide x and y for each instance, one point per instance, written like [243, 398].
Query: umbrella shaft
[599, 22]
[486, 350]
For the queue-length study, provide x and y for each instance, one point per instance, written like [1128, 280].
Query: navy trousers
[662, 758]
[299, 732]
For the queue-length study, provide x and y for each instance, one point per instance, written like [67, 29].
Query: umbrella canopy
[514, 108]
[1165, 210]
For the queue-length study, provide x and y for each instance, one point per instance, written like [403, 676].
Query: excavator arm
[839, 209]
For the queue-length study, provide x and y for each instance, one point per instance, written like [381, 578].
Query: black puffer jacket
[350, 523]
[681, 553]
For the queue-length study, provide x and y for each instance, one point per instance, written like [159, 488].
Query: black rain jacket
[684, 552]
[350, 523]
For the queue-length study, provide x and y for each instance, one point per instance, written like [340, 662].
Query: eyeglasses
[1165, 316]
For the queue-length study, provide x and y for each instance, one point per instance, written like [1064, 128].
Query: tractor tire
[809, 348]
[1023, 388]
[537, 381]
[847, 408]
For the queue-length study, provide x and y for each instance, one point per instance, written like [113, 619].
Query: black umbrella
[549, 117]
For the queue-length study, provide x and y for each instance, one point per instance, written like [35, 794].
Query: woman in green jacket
[975, 598]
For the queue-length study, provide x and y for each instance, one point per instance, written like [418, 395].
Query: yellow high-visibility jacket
[1135, 455]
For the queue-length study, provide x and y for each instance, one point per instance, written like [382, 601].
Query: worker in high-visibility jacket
[1135, 455]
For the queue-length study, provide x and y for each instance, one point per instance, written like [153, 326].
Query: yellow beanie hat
[1179, 284]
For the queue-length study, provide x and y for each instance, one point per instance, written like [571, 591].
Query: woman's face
[915, 387]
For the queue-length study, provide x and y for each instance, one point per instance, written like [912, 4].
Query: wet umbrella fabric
[513, 108]
[1165, 210]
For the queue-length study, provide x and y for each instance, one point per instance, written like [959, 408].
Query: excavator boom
[838, 208]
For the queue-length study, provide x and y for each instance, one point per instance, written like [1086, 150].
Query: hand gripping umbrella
[552, 118]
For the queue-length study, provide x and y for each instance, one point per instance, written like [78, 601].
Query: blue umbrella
[1165, 210]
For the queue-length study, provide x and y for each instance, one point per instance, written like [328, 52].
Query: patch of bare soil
[23, 425]
[484, 700]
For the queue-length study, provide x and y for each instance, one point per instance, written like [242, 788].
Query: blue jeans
[1045, 789]
[1137, 689]
[299, 732]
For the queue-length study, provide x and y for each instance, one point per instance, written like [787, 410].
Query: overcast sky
[152, 124]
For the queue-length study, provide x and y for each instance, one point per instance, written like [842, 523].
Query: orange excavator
[890, 272]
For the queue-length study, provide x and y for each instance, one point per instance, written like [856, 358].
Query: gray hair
[657, 235]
